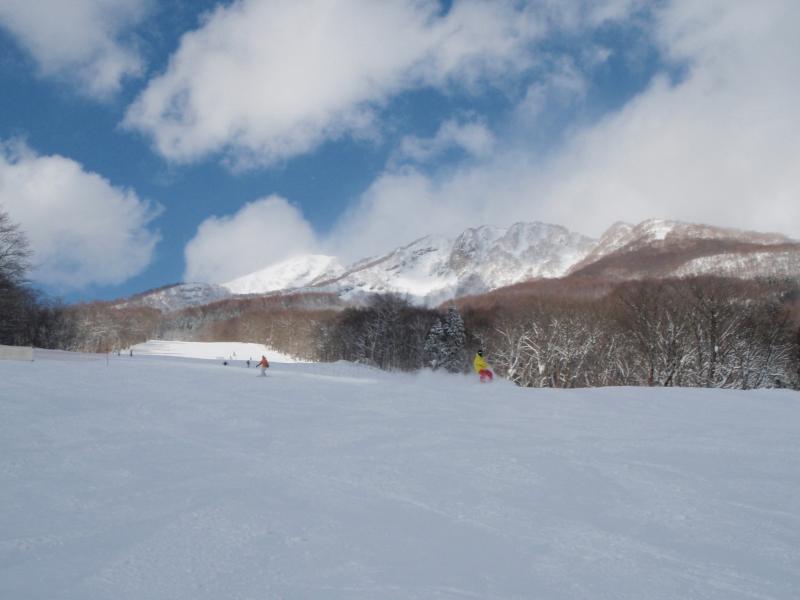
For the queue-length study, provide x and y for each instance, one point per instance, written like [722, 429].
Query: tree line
[700, 332]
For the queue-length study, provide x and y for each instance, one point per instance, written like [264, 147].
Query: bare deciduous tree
[14, 250]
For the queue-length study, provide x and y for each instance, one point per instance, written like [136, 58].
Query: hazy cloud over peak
[470, 135]
[261, 233]
[718, 144]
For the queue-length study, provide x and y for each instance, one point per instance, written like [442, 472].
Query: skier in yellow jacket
[482, 367]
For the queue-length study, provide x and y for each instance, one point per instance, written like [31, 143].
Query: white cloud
[260, 233]
[403, 205]
[82, 229]
[720, 146]
[265, 81]
[562, 83]
[78, 40]
[469, 135]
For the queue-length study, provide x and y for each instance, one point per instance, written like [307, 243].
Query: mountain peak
[434, 269]
[294, 272]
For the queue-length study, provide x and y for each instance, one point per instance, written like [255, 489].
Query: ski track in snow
[159, 478]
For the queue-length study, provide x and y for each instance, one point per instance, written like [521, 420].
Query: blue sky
[144, 143]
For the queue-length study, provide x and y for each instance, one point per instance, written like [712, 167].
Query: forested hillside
[702, 331]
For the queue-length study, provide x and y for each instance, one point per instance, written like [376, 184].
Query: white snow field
[231, 351]
[151, 478]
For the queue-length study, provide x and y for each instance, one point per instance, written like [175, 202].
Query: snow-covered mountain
[296, 272]
[417, 269]
[661, 248]
[659, 232]
[177, 297]
[434, 269]
[778, 262]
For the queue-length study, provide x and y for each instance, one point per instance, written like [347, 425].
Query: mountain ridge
[433, 269]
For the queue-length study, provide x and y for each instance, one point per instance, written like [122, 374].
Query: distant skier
[482, 367]
[264, 364]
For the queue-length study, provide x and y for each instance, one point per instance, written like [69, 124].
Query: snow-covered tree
[445, 344]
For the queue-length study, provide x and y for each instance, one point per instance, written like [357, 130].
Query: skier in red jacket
[264, 364]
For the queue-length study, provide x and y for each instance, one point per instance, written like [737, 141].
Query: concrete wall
[16, 353]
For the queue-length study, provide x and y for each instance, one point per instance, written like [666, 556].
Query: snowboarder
[482, 367]
[264, 364]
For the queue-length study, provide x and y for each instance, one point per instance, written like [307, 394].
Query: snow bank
[16, 352]
[163, 479]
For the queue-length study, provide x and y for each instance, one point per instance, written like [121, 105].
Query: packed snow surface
[164, 478]
[230, 351]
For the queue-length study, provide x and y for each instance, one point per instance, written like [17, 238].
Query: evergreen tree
[434, 346]
[456, 341]
[444, 346]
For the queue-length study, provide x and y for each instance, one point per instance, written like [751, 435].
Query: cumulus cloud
[79, 40]
[260, 81]
[82, 229]
[720, 145]
[260, 233]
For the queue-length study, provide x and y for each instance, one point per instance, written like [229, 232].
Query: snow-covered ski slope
[231, 351]
[163, 478]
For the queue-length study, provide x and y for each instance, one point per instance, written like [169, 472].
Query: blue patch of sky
[627, 71]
